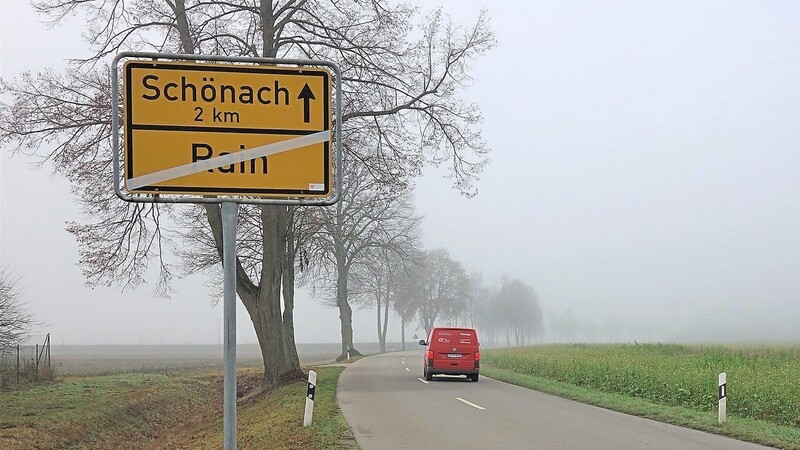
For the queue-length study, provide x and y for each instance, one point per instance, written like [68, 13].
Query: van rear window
[454, 336]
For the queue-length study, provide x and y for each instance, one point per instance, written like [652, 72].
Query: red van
[452, 351]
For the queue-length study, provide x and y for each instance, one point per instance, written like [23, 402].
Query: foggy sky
[644, 171]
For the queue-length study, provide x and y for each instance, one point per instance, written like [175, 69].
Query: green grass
[670, 383]
[95, 411]
[274, 421]
[183, 408]
[170, 410]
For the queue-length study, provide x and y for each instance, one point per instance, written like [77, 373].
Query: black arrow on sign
[307, 96]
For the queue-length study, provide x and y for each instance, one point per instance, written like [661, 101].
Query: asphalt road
[389, 406]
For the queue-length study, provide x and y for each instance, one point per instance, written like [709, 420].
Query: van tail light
[430, 354]
[477, 356]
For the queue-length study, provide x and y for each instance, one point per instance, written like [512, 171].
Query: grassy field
[179, 409]
[672, 383]
[130, 399]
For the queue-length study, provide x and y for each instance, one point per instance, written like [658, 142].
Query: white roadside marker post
[723, 396]
[312, 386]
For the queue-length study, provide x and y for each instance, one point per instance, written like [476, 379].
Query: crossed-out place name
[227, 160]
[202, 152]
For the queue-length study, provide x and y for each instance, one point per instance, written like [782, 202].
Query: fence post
[17, 363]
[36, 355]
[49, 368]
[723, 396]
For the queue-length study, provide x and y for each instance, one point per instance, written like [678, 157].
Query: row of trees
[434, 289]
[402, 75]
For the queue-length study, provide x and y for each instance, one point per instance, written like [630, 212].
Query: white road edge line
[420, 379]
[469, 403]
[408, 370]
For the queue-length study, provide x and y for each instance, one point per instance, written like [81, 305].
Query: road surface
[389, 405]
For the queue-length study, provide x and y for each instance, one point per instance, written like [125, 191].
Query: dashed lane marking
[469, 403]
[420, 379]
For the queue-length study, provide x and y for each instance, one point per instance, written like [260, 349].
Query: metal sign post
[229, 215]
[254, 130]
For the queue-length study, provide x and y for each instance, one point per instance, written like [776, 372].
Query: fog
[645, 180]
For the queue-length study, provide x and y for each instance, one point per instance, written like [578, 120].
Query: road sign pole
[183, 149]
[229, 214]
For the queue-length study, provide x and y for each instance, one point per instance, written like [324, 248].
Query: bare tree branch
[16, 322]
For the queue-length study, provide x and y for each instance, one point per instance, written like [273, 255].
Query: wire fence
[25, 363]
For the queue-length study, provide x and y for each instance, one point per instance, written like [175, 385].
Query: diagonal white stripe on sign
[225, 160]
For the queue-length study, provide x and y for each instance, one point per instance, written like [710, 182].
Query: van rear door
[454, 349]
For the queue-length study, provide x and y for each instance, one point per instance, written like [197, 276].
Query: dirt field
[111, 359]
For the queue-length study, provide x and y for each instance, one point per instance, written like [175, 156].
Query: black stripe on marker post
[310, 391]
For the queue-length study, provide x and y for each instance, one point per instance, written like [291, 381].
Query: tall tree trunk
[385, 322]
[263, 301]
[342, 271]
[288, 309]
[381, 337]
[345, 312]
[179, 8]
[268, 28]
[429, 317]
[268, 317]
[403, 332]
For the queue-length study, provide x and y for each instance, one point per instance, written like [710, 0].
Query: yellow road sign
[196, 128]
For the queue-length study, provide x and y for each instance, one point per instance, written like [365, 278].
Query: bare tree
[368, 220]
[405, 303]
[376, 277]
[401, 106]
[566, 325]
[477, 292]
[440, 286]
[518, 311]
[15, 321]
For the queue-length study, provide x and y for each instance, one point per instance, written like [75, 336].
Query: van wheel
[428, 375]
[474, 377]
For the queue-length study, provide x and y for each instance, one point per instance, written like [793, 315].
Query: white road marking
[469, 403]
[420, 379]
[408, 370]
[404, 362]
